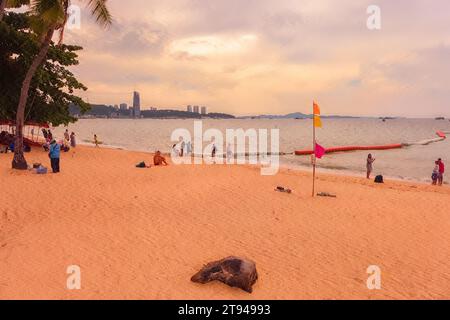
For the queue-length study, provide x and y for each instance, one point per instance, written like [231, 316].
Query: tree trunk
[2, 9]
[19, 161]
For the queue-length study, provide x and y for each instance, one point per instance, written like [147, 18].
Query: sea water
[414, 162]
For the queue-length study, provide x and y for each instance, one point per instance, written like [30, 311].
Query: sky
[270, 56]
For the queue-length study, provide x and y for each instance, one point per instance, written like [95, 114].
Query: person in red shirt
[441, 172]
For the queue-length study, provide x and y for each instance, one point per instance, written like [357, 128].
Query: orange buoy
[441, 134]
[351, 148]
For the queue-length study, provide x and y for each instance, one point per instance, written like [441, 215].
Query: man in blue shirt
[54, 154]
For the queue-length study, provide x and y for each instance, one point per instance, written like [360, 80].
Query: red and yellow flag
[316, 114]
[316, 109]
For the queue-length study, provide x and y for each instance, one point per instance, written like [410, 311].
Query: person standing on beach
[229, 152]
[188, 148]
[54, 154]
[213, 152]
[95, 140]
[66, 135]
[73, 140]
[49, 135]
[182, 147]
[45, 133]
[370, 161]
[441, 172]
[435, 175]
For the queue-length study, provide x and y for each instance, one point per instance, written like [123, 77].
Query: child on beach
[435, 174]
[95, 140]
[213, 151]
[370, 161]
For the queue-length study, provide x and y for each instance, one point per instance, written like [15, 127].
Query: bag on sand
[41, 170]
[141, 165]
[379, 179]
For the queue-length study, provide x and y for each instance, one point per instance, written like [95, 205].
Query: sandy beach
[142, 233]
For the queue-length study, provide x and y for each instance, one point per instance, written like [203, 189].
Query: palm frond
[100, 11]
[50, 12]
[16, 3]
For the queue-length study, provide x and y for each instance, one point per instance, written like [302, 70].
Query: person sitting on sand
[65, 145]
[370, 161]
[159, 160]
[441, 172]
[435, 174]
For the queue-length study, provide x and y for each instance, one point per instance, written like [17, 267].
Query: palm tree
[2, 8]
[50, 16]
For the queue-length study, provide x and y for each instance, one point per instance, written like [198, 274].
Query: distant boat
[440, 118]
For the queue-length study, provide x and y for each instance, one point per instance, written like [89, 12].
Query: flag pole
[314, 153]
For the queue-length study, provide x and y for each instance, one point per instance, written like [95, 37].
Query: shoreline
[300, 168]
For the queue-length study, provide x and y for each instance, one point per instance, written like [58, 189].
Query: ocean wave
[423, 142]
[247, 154]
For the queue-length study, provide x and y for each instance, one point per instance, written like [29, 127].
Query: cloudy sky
[271, 56]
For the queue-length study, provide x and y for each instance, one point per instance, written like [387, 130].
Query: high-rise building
[136, 105]
[189, 108]
[203, 110]
[123, 106]
[196, 109]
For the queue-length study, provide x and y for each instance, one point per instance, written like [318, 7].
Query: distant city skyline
[136, 104]
[271, 57]
[136, 107]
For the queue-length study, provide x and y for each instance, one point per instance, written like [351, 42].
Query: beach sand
[142, 233]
